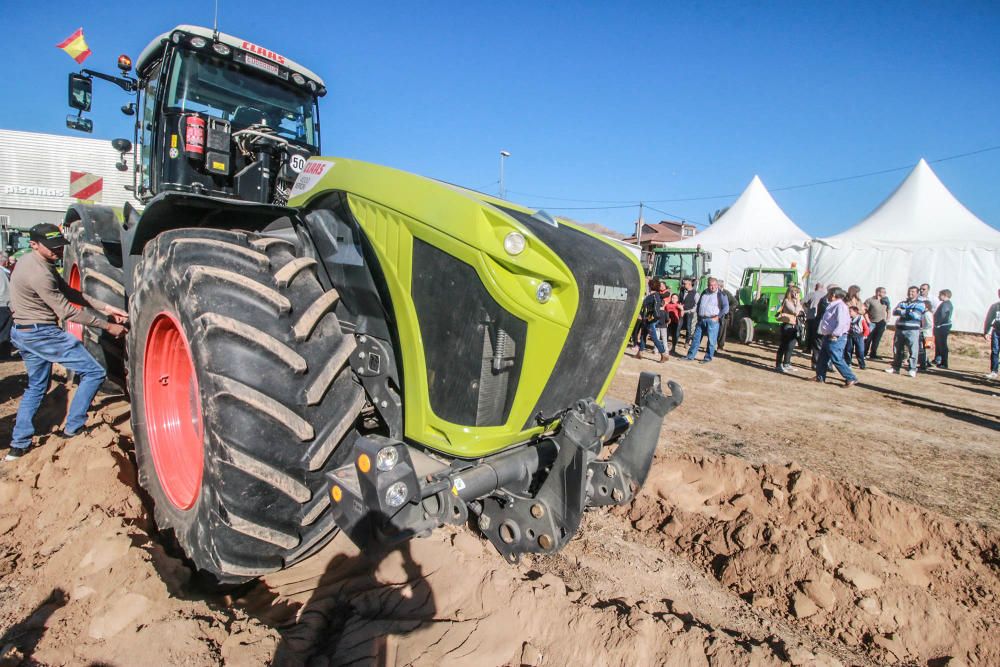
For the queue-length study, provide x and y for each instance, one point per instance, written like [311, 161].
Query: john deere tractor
[759, 300]
[320, 344]
[672, 265]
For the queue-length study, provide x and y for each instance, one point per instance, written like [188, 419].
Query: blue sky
[616, 102]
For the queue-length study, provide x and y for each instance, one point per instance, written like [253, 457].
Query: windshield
[674, 265]
[224, 90]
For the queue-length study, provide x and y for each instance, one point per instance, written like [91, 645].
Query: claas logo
[313, 168]
[261, 51]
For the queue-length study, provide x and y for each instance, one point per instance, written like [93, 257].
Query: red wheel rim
[75, 329]
[173, 411]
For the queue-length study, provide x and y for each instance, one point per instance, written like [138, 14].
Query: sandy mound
[718, 562]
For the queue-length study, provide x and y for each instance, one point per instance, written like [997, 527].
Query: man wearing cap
[39, 299]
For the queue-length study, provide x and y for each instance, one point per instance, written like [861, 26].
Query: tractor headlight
[396, 494]
[199, 42]
[386, 459]
[298, 78]
[544, 292]
[514, 243]
[221, 49]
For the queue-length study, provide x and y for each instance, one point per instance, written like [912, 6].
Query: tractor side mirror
[123, 146]
[79, 123]
[81, 89]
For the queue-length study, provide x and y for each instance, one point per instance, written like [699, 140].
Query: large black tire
[275, 393]
[88, 269]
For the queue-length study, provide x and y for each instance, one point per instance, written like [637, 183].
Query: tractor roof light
[221, 49]
[177, 37]
[198, 42]
[312, 86]
[298, 78]
[124, 63]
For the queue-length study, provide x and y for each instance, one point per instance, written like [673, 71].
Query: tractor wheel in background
[745, 331]
[241, 394]
[87, 269]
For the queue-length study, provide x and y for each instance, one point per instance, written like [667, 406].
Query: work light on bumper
[396, 495]
[386, 459]
[514, 243]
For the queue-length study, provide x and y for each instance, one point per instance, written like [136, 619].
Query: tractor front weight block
[526, 500]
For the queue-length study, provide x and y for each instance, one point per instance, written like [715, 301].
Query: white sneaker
[991, 376]
[890, 370]
[913, 373]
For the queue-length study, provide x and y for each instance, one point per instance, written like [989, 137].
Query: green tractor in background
[671, 265]
[758, 300]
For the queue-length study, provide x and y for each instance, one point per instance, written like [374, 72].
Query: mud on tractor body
[367, 350]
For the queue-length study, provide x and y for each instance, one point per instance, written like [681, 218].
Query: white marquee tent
[753, 232]
[921, 233]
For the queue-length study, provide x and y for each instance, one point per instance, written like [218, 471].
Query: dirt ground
[784, 522]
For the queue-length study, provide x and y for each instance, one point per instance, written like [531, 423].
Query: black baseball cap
[48, 235]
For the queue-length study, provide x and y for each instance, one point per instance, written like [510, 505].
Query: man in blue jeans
[833, 330]
[40, 298]
[711, 308]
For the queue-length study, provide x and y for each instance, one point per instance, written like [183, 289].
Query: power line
[730, 195]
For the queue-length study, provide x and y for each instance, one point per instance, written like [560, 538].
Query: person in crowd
[925, 295]
[856, 337]
[711, 307]
[926, 337]
[942, 327]
[689, 299]
[909, 316]
[833, 329]
[789, 314]
[633, 339]
[675, 313]
[991, 332]
[877, 311]
[651, 313]
[726, 321]
[39, 299]
[853, 298]
[812, 321]
[821, 307]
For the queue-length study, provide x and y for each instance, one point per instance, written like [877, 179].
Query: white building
[35, 172]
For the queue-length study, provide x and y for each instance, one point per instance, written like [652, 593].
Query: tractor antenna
[215, 23]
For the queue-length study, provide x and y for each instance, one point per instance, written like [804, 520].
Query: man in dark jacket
[991, 332]
[689, 299]
[942, 327]
[728, 319]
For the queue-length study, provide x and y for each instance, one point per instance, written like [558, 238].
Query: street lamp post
[503, 154]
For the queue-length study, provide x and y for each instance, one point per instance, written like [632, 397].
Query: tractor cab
[759, 299]
[216, 116]
[671, 265]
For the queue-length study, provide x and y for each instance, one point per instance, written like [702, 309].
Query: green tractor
[759, 299]
[671, 265]
[319, 344]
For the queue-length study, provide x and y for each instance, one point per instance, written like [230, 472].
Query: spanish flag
[76, 46]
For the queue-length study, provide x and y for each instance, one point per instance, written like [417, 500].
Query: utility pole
[638, 229]
[503, 154]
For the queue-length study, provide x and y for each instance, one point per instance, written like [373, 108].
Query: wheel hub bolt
[544, 541]
[617, 495]
[537, 511]
[610, 471]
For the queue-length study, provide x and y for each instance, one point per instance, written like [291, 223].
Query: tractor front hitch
[527, 500]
